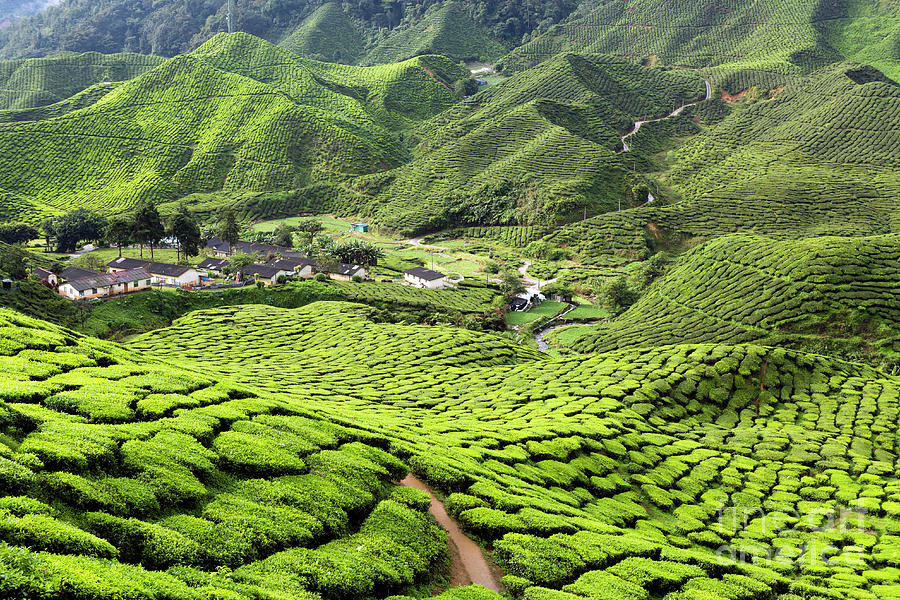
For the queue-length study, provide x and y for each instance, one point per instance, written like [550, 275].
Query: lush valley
[704, 407]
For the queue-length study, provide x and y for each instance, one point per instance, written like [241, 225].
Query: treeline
[171, 27]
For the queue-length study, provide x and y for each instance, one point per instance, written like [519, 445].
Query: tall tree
[148, 227]
[75, 226]
[17, 233]
[49, 230]
[119, 232]
[228, 229]
[283, 235]
[184, 228]
[309, 229]
[12, 262]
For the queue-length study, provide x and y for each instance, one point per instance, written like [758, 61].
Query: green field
[547, 308]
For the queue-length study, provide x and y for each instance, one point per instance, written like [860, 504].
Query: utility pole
[229, 16]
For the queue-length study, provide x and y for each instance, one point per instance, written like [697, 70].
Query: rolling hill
[740, 44]
[820, 158]
[539, 146]
[170, 27]
[831, 294]
[445, 29]
[41, 81]
[239, 113]
[327, 34]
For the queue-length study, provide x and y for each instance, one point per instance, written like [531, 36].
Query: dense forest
[169, 27]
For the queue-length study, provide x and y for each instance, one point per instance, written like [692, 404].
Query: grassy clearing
[547, 308]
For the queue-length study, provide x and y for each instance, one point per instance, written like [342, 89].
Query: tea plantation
[541, 145]
[741, 43]
[748, 288]
[699, 471]
[238, 113]
[28, 83]
[684, 471]
[820, 158]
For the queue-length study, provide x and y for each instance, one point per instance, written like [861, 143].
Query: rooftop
[423, 273]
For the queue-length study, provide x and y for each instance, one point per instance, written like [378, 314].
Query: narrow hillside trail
[418, 243]
[674, 113]
[468, 564]
[532, 285]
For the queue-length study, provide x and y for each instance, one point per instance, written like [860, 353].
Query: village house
[213, 264]
[219, 248]
[347, 272]
[295, 267]
[267, 274]
[74, 273]
[425, 278]
[162, 273]
[99, 285]
[46, 277]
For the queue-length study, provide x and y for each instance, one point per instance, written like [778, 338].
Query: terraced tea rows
[444, 29]
[750, 44]
[647, 470]
[540, 145]
[743, 288]
[327, 34]
[797, 165]
[105, 455]
[752, 471]
[238, 113]
[41, 81]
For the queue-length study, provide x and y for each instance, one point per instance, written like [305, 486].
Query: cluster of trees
[74, 227]
[170, 27]
[618, 293]
[144, 227]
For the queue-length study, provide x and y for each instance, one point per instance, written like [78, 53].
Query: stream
[468, 562]
[543, 330]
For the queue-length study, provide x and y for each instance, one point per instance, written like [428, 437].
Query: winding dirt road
[469, 564]
[674, 113]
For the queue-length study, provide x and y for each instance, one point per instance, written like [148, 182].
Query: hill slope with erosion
[238, 113]
[540, 145]
[741, 43]
[820, 158]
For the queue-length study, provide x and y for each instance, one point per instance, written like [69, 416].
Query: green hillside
[540, 145]
[831, 294]
[238, 113]
[41, 81]
[444, 29]
[741, 43]
[821, 158]
[327, 34]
